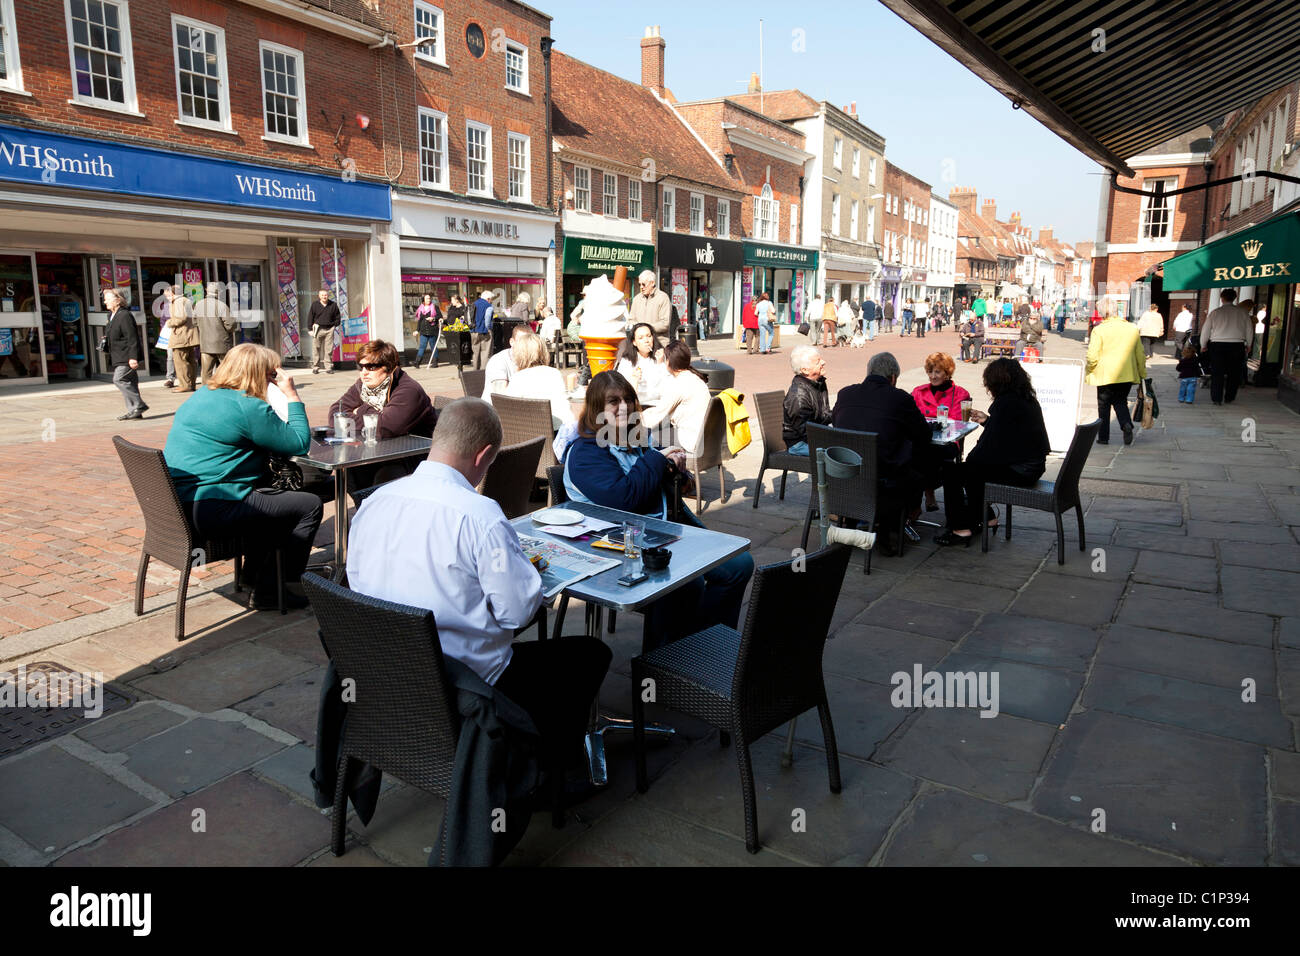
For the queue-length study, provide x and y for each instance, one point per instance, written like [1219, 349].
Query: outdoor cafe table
[340, 459]
[695, 552]
[953, 432]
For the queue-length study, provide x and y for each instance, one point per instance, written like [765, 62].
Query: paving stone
[947, 828]
[1169, 609]
[51, 798]
[1069, 598]
[1260, 556]
[862, 714]
[1286, 773]
[1191, 704]
[1177, 571]
[1139, 469]
[1237, 510]
[1288, 509]
[353, 855]
[291, 768]
[1185, 792]
[1290, 634]
[116, 732]
[248, 823]
[1015, 564]
[224, 677]
[931, 620]
[843, 829]
[1262, 590]
[1224, 489]
[1014, 637]
[1149, 540]
[1119, 561]
[1254, 473]
[1286, 833]
[301, 640]
[1199, 659]
[404, 828]
[961, 594]
[1134, 509]
[1288, 680]
[1044, 694]
[1231, 531]
[996, 757]
[189, 757]
[868, 653]
[291, 706]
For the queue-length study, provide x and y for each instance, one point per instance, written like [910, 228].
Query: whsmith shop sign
[779, 257]
[48, 159]
[1267, 254]
[592, 257]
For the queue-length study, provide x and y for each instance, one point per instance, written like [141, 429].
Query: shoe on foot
[130, 416]
[315, 371]
[1128, 435]
[1103, 441]
[169, 383]
[950, 539]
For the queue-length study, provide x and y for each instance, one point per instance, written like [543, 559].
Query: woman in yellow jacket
[1115, 362]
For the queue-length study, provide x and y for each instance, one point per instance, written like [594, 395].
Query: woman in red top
[749, 322]
[941, 390]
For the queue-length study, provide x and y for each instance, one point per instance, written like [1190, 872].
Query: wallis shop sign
[1263, 255]
[50, 160]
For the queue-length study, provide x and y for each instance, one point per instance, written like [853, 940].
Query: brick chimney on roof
[652, 60]
[1045, 235]
[989, 210]
[755, 86]
[1015, 219]
[963, 197]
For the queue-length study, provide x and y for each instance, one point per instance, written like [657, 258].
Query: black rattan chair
[852, 499]
[522, 420]
[441, 401]
[771, 420]
[473, 381]
[711, 451]
[168, 534]
[1055, 497]
[509, 482]
[750, 683]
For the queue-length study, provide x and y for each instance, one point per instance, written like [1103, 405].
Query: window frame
[579, 190]
[724, 218]
[9, 48]
[605, 196]
[794, 223]
[264, 46]
[526, 181]
[522, 50]
[130, 102]
[853, 220]
[837, 153]
[633, 181]
[871, 170]
[857, 162]
[444, 182]
[223, 79]
[469, 191]
[440, 56]
[693, 225]
[668, 208]
[835, 214]
[1144, 221]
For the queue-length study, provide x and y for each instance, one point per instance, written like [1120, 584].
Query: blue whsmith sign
[39, 158]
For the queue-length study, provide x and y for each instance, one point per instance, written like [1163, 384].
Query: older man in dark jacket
[807, 399]
[125, 353]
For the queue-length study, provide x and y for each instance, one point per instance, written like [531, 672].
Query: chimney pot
[652, 60]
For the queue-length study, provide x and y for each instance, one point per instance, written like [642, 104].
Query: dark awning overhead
[1167, 66]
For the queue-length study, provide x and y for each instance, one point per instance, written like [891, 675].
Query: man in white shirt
[501, 367]
[430, 540]
[1227, 335]
[1183, 330]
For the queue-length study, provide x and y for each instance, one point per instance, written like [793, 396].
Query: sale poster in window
[286, 284]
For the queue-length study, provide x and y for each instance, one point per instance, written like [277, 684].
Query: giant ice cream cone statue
[604, 319]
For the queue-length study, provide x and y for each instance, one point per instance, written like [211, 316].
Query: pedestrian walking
[909, 316]
[1227, 335]
[1115, 362]
[217, 329]
[1183, 329]
[1189, 370]
[428, 323]
[766, 313]
[1151, 327]
[1060, 318]
[749, 325]
[481, 326]
[702, 315]
[182, 339]
[125, 353]
[652, 306]
[889, 315]
[921, 311]
[322, 319]
[870, 321]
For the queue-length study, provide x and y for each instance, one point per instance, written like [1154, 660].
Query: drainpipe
[547, 43]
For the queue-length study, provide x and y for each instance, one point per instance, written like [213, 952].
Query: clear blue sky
[938, 119]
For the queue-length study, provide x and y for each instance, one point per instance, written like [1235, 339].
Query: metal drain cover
[45, 700]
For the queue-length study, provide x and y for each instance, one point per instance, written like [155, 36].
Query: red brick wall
[906, 187]
[1126, 208]
[341, 79]
[1227, 140]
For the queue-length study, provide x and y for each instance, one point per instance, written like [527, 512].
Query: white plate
[560, 516]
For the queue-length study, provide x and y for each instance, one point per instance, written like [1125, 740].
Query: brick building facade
[906, 223]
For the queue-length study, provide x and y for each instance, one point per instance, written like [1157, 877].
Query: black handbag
[285, 474]
[803, 328]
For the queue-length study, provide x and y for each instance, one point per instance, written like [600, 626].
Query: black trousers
[266, 520]
[1113, 397]
[556, 682]
[963, 490]
[1227, 360]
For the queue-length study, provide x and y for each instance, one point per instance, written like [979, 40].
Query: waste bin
[460, 347]
[718, 376]
[502, 329]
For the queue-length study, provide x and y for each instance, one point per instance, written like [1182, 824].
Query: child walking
[1189, 369]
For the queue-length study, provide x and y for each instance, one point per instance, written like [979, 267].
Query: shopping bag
[164, 336]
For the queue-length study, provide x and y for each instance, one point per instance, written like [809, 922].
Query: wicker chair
[771, 419]
[473, 381]
[853, 499]
[712, 450]
[750, 683]
[509, 482]
[1055, 497]
[442, 401]
[523, 419]
[168, 534]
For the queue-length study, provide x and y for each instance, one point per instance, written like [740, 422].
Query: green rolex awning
[1261, 255]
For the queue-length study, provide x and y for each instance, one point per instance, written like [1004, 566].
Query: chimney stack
[755, 86]
[652, 60]
[964, 198]
[989, 210]
[1045, 235]
[1015, 219]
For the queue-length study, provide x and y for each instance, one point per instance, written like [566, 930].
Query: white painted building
[941, 264]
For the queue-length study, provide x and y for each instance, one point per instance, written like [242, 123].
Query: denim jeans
[907, 323]
[798, 448]
[765, 336]
[873, 326]
[430, 342]
[1187, 390]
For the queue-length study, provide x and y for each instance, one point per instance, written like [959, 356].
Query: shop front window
[1292, 354]
[20, 354]
[721, 290]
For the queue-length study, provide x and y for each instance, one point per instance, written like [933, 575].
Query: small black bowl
[655, 559]
[319, 432]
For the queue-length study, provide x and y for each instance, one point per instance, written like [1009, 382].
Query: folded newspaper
[562, 565]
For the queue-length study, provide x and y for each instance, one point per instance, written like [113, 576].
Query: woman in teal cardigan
[217, 455]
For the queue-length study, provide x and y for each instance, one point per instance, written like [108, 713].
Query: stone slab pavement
[1149, 689]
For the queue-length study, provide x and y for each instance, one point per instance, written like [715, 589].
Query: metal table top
[953, 431]
[342, 457]
[696, 551]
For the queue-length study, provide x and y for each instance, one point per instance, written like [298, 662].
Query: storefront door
[61, 281]
[22, 353]
[108, 271]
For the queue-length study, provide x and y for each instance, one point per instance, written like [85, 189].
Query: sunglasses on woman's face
[368, 367]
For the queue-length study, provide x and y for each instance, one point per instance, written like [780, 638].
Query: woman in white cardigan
[683, 400]
[536, 378]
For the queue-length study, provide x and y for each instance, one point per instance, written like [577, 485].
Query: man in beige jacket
[653, 307]
[183, 337]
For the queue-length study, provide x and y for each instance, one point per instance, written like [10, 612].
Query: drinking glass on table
[633, 529]
[966, 407]
[370, 431]
[344, 427]
[941, 413]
